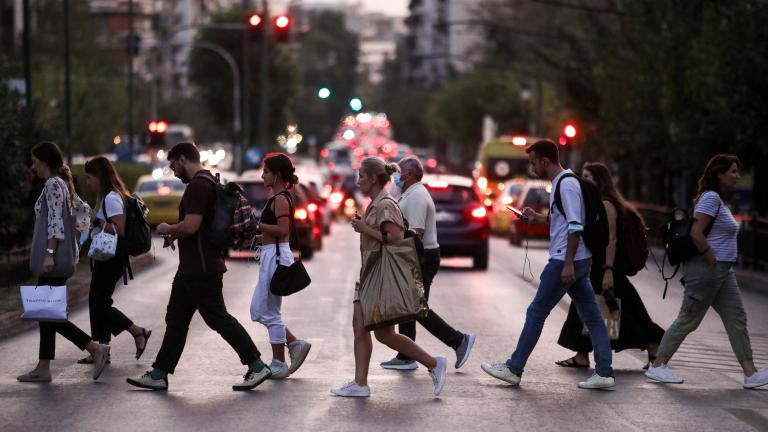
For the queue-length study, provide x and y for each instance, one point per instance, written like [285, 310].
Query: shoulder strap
[291, 230]
[558, 201]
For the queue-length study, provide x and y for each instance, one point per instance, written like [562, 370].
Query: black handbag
[290, 279]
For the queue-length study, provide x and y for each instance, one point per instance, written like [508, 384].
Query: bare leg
[43, 365]
[403, 344]
[289, 337]
[581, 358]
[363, 346]
[748, 366]
[278, 350]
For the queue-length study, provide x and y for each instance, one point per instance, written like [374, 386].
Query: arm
[535, 217]
[610, 250]
[53, 200]
[283, 214]
[700, 240]
[394, 232]
[188, 226]
[115, 212]
[119, 224]
[417, 216]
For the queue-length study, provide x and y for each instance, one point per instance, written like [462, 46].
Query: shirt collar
[410, 189]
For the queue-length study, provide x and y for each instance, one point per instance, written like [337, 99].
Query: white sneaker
[438, 374]
[297, 351]
[100, 360]
[597, 382]
[252, 378]
[758, 379]
[663, 374]
[351, 389]
[500, 371]
[279, 369]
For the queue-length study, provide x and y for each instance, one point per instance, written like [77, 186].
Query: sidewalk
[77, 292]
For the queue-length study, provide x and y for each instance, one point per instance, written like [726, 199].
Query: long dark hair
[280, 163]
[50, 154]
[607, 188]
[109, 180]
[708, 181]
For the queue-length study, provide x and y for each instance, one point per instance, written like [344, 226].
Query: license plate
[442, 216]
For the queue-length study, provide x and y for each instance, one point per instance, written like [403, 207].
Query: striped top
[725, 229]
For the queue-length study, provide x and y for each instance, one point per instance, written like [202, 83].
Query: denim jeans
[551, 290]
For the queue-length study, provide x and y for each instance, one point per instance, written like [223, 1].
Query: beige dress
[382, 209]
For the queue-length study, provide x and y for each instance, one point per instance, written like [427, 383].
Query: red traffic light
[569, 130]
[282, 22]
[158, 126]
[254, 20]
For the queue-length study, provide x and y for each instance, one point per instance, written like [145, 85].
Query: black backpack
[632, 243]
[138, 235]
[218, 230]
[595, 233]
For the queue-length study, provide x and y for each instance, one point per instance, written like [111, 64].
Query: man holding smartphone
[566, 272]
[419, 210]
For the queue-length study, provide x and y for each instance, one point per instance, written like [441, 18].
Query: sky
[390, 7]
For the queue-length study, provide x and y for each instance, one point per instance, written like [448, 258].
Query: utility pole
[131, 41]
[27, 54]
[67, 85]
[264, 77]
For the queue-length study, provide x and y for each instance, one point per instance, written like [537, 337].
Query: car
[501, 219]
[533, 194]
[257, 194]
[462, 219]
[162, 196]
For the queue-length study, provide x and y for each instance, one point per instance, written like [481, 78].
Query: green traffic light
[356, 104]
[324, 93]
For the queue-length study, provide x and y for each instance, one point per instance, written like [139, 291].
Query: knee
[384, 335]
[537, 310]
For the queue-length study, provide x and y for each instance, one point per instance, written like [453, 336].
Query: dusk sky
[391, 7]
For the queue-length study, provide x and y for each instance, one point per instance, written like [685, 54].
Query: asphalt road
[491, 304]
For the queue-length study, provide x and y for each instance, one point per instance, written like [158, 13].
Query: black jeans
[432, 322]
[200, 293]
[48, 330]
[105, 319]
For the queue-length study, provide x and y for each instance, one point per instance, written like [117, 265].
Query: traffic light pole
[130, 73]
[264, 77]
[67, 85]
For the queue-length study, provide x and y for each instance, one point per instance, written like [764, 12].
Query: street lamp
[356, 104]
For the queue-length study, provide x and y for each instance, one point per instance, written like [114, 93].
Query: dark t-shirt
[199, 199]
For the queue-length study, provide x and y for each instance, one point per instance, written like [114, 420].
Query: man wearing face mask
[419, 210]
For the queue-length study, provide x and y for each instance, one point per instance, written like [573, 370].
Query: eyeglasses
[171, 165]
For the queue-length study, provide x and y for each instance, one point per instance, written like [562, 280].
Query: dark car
[461, 217]
[257, 194]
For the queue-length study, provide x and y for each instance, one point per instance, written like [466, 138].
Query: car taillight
[336, 197]
[312, 207]
[300, 214]
[479, 212]
[163, 190]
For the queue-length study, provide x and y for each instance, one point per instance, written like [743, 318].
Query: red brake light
[163, 190]
[312, 207]
[479, 212]
[300, 214]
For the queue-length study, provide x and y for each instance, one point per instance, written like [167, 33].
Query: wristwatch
[50, 251]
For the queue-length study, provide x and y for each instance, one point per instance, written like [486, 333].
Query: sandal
[571, 363]
[146, 334]
[89, 360]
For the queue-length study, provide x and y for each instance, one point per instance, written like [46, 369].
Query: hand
[608, 280]
[530, 213]
[358, 224]
[48, 263]
[568, 276]
[164, 229]
[710, 257]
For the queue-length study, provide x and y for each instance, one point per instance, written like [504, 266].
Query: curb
[78, 287]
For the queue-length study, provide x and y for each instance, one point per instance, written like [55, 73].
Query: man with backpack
[576, 222]
[197, 285]
[419, 211]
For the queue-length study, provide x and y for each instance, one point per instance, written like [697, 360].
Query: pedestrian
[197, 285]
[419, 210]
[709, 277]
[52, 211]
[636, 329]
[275, 224]
[381, 223]
[109, 216]
[566, 272]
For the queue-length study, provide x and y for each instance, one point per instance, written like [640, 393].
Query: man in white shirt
[567, 271]
[419, 210]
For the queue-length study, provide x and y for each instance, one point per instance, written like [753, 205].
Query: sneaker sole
[300, 361]
[351, 395]
[592, 387]
[514, 383]
[470, 344]
[250, 387]
[752, 387]
[408, 367]
[659, 380]
[140, 385]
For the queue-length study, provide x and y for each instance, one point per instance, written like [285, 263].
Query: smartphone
[517, 212]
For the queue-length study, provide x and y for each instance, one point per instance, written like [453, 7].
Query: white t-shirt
[419, 209]
[573, 204]
[114, 206]
[722, 237]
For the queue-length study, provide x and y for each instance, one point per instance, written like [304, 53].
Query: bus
[499, 160]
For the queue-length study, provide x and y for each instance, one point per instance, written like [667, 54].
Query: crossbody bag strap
[291, 229]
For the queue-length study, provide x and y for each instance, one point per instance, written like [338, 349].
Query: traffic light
[569, 133]
[255, 26]
[282, 28]
[157, 129]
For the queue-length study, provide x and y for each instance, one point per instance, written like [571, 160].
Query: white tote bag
[103, 245]
[44, 302]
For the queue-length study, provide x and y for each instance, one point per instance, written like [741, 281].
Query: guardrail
[753, 234]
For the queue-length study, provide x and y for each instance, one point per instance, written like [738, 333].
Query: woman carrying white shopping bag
[109, 218]
[54, 255]
[382, 224]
